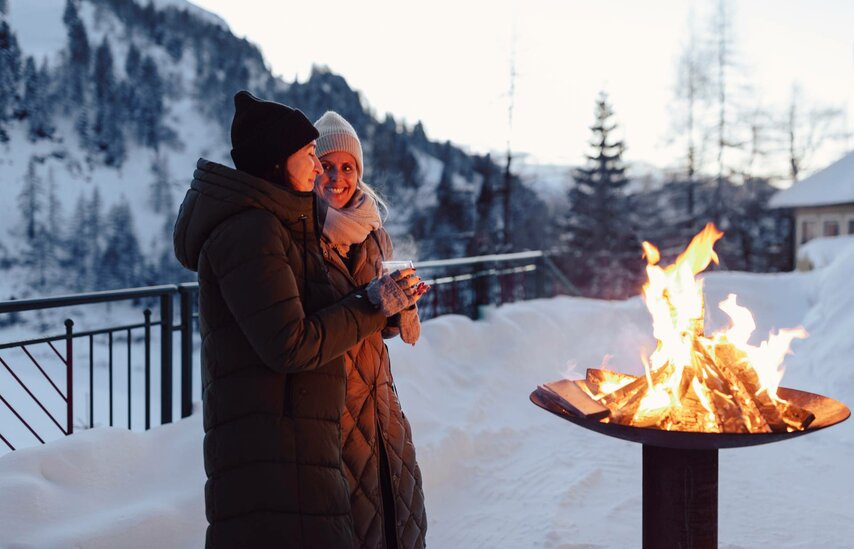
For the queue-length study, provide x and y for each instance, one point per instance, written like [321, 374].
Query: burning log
[740, 412]
[780, 415]
[624, 402]
[606, 381]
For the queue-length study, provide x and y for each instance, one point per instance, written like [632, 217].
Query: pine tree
[30, 79]
[76, 72]
[447, 226]
[95, 224]
[130, 87]
[10, 74]
[32, 206]
[133, 63]
[79, 53]
[31, 202]
[529, 216]
[599, 228]
[151, 105]
[121, 263]
[54, 245]
[485, 226]
[85, 242]
[35, 107]
[78, 246]
[160, 198]
[107, 138]
[70, 13]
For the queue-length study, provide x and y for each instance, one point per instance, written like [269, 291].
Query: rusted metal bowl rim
[826, 410]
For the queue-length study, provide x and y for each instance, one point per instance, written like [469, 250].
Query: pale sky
[447, 63]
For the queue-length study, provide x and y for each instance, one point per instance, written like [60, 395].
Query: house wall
[816, 221]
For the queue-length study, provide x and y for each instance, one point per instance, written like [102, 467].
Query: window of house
[808, 230]
[851, 226]
[831, 228]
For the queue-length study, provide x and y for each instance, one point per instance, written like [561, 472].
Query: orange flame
[711, 381]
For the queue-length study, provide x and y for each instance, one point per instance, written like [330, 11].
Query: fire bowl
[826, 410]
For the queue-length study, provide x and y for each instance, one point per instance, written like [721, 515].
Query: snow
[38, 26]
[498, 471]
[832, 185]
[107, 488]
[41, 33]
[820, 252]
[208, 16]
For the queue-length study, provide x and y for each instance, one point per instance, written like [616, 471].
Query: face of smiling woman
[339, 179]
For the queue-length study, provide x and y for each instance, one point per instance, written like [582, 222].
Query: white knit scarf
[353, 223]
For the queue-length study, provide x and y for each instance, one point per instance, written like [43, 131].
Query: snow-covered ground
[820, 252]
[499, 472]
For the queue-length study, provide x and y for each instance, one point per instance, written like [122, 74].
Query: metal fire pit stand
[680, 469]
[680, 498]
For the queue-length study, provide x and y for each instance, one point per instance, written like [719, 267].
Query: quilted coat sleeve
[249, 258]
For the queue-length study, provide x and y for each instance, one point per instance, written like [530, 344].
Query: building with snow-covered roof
[822, 204]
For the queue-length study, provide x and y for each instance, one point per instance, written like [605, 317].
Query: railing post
[436, 300]
[69, 374]
[540, 277]
[147, 315]
[186, 351]
[166, 358]
[481, 290]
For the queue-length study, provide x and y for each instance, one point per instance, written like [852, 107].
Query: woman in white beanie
[386, 496]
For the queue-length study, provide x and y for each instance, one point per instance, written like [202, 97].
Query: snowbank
[820, 252]
[498, 471]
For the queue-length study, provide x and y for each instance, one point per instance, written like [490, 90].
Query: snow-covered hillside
[498, 472]
[107, 103]
[62, 165]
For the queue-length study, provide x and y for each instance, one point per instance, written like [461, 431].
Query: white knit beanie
[336, 134]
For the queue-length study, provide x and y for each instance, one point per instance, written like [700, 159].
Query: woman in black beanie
[273, 335]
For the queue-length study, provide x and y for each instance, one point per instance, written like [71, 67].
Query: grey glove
[388, 297]
[410, 325]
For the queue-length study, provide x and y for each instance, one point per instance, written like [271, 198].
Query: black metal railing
[467, 285]
[138, 335]
[461, 286]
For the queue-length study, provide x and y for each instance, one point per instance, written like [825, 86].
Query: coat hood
[218, 193]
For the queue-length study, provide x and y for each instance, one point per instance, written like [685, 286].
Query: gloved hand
[410, 325]
[394, 292]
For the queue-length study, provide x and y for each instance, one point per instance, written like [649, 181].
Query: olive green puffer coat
[274, 334]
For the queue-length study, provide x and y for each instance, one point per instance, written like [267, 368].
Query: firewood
[718, 392]
[735, 404]
[624, 404]
[797, 418]
[690, 414]
[569, 396]
[732, 413]
[619, 396]
[780, 416]
[597, 378]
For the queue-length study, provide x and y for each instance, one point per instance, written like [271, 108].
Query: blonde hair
[382, 205]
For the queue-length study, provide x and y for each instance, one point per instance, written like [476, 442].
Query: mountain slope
[111, 104]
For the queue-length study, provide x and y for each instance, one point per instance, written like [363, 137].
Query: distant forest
[470, 205]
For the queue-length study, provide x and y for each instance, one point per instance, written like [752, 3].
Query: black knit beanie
[264, 133]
